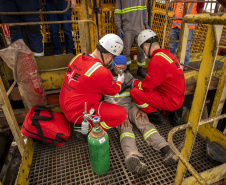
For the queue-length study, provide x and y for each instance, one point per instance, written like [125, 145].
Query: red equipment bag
[46, 125]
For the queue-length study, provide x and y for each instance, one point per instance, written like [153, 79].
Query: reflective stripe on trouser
[127, 140]
[111, 115]
[128, 39]
[151, 101]
[147, 129]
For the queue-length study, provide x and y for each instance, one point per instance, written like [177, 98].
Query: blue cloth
[59, 5]
[174, 35]
[33, 33]
[119, 60]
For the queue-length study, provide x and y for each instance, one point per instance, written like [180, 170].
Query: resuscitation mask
[120, 72]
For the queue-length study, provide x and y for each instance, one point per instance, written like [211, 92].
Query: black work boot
[156, 117]
[169, 158]
[175, 116]
[141, 72]
[134, 165]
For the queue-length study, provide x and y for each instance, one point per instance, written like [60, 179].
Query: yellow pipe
[211, 176]
[206, 70]
[206, 18]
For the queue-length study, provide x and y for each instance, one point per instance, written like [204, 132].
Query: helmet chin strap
[101, 54]
[155, 39]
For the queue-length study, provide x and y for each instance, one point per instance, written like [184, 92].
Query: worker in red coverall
[87, 80]
[164, 85]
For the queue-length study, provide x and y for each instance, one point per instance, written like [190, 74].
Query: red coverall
[163, 86]
[87, 80]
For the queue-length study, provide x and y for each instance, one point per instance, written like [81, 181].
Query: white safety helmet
[146, 35]
[112, 43]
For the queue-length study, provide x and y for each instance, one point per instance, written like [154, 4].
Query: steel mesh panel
[70, 164]
[76, 15]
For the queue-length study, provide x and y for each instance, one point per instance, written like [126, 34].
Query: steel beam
[84, 30]
[220, 96]
[24, 170]
[203, 81]
[211, 176]
[11, 119]
[206, 18]
[183, 38]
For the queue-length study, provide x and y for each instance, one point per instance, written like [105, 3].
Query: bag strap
[56, 140]
[37, 116]
[40, 133]
[39, 129]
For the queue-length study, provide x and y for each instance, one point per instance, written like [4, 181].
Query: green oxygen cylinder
[98, 143]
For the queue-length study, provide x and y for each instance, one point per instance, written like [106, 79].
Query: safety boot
[175, 116]
[169, 157]
[134, 165]
[156, 117]
[141, 72]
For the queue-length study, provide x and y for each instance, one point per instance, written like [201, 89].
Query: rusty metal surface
[70, 164]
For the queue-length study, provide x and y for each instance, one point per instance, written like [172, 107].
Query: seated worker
[164, 85]
[87, 79]
[127, 138]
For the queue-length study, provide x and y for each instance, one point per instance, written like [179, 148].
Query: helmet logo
[114, 50]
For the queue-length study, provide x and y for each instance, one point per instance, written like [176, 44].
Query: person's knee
[122, 114]
[133, 92]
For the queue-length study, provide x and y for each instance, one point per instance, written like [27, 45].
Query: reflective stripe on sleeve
[73, 59]
[165, 56]
[139, 86]
[92, 69]
[143, 105]
[122, 94]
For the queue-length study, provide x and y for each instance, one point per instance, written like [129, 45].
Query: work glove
[147, 27]
[121, 78]
[120, 33]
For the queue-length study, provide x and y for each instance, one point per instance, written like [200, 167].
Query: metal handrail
[37, 12]
[167, 10]
[180, 156]
[54, 22]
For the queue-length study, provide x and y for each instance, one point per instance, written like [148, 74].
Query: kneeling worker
[164, 84]
[87, 80]
[127, 138]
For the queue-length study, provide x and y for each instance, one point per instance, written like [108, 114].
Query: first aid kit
[46, 125]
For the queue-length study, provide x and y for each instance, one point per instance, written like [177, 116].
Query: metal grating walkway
[70, 164]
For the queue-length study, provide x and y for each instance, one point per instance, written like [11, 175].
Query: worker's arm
[107, 86]
[73, 4]
[118, 14]
[154, 77]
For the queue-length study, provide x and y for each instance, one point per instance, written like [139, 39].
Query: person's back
[82, 84]
[164, 85]
[85, 82]
[167, 76]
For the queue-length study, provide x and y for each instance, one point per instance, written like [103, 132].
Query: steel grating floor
[70, 164]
